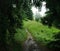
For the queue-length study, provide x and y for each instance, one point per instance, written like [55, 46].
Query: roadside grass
[40, 32]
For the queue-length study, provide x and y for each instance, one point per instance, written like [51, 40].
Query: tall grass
[40, 32]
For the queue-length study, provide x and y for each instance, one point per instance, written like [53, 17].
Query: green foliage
[48, 19]
[55, 44]
[20, 36]
[54, 6]
[25, 9]
[26, 14]
[41, 33]
[53, 15]
[11, 19]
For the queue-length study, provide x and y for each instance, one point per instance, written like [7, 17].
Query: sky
[42, 12]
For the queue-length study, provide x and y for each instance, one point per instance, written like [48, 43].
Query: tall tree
[8, 22]
[10, 19]
[54, 7]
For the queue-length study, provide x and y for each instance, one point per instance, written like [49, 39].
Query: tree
[53, 18]
[10, 20]
[54, 6]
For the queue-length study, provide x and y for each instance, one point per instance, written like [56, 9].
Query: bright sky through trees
[43, 9]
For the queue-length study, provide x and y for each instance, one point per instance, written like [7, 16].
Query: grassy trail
[40, 32]
[31, 45]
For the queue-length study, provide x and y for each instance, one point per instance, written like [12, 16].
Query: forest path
[30, 44]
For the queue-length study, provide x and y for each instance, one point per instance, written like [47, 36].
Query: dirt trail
[30, 44]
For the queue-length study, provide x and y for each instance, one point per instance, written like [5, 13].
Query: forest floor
[31, 45]
[40, 35]
[40, 32]
[35, 36]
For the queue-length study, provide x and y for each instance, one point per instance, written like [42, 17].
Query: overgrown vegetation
[20, 36]
[11, 19]
[42, 33]
[12, 12]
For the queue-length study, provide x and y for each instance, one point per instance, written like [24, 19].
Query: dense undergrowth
[20, 36]
[42, 33]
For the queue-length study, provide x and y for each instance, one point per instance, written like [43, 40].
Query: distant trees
[26, 11]
[48, 19]
[53, 16]
[54, 7]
